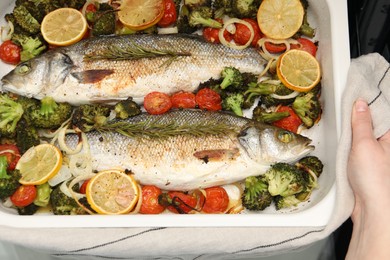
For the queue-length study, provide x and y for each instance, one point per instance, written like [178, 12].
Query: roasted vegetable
[308, 108]
[63, 205]
[9, 181]
[262, 115]
[43, 195]
[286, 202]
[26, 135]
[86, 117]
[24, 18]
[31, 46]
[127, 108]
[202, 17]
[245, 8]
[234, 102]
[256, 195]
[10, 114]
[231, 77]
[285, 180]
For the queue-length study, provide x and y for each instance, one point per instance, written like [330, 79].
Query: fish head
[36, 77]
[269, 144]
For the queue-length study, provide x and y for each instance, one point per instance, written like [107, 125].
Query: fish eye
[285, 136]
[23, 68]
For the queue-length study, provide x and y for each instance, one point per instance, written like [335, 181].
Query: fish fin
[217, 154]
[91, 76]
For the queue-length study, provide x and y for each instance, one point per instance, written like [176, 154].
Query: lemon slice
[140, 14]
[298, 70]
[112, 192]
[280, 19]
[64, 26]
[39, 164]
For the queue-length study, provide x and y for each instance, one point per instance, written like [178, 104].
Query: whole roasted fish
[106, 69]
[189, 149]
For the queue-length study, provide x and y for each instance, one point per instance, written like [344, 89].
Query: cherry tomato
[275, 48]
[170, 14]
[150, 203]
[217, 200]
[290, 123]
[91, 8]
[83, 187]
[212, 34]
[183, 202]
[156, 103]
[306, 45]
[24, 195]
[243, 34]
[183, 100]
[10, 52]
[208, 99]
[12, 153]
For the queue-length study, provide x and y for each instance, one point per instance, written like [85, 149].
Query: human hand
[369, 166]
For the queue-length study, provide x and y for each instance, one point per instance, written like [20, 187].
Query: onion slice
[230, 44]
[291, 95]
[7, 31]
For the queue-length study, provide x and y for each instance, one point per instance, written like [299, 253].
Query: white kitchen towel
[368, 78]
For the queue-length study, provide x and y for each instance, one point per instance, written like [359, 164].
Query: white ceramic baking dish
[330, 19]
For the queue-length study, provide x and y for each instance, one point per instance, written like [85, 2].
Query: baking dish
[330, 20]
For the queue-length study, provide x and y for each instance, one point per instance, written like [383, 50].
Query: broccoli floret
[202, 16]
[269, 101]
[258, 89]
[245, 8]
[87, 117]
[234, 102]
[10, 114]
[63, 205]
[127, 108]
[231, 77]
[26, 135]
[49, 114]
[104, 23]
[311, 164]
[43, 195]
[308, 108]
[261, 115]
[24, 18]
[256, 195]
[17, 28]
[285, 180]
[182, 23]
[192, 4]
[286, 202]
[30, 209]
[9, 182]
[222, 7]
[31, 46]
[76, 4]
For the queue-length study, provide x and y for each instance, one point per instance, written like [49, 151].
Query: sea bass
[109, 69]
[190, 149]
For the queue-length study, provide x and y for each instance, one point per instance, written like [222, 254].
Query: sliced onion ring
[291, 95]
[7, 31]
[233, 45]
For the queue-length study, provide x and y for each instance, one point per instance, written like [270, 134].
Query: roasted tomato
[208, 99]
[24, 195]
[183, 100]
[150, 203]
[10, 52]
[217, 200]
[290, 123]
[156, 103]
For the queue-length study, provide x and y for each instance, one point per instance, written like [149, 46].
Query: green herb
[133, 52]
[161, 131]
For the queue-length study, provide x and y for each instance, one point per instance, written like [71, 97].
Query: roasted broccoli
[87, 117]
[43, 195]
[10, 114]
[245, 8]
[62, 204]
[183, 24]
[234, 102]
[313, 168]
[26, 135]
[269, 101]
[76, 4]
[202, 16]
[256, 195]
[127, 108]
[104, 21]
[222, 7]
[49, 114]
[191, 4]
[286, 202]
[231, 77]
[305, 28]
[308, 108]
[285, 180]
[9, 181]
[260, 114]
[30, 209]
[24, 18]
[31, 46]
[258, 89]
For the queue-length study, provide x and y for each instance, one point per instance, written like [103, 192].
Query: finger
[361, 121]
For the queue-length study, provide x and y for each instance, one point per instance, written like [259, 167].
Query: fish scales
[67, 76]
[187, 161]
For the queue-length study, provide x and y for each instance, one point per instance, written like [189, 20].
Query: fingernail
[361, 105]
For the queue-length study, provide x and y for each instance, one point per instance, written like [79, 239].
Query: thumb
[361, 121]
